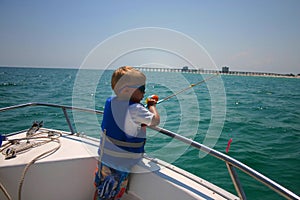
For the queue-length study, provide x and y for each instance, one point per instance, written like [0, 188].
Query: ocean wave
[9, 84]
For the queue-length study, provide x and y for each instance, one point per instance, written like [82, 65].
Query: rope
[99, 162]
[51, 151]
[46, 139]
[101, 151]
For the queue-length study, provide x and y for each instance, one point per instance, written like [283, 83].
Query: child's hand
[152, 100]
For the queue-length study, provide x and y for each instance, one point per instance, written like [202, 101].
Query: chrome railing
[231, 163]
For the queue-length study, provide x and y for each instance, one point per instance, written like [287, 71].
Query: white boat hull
[69, 174]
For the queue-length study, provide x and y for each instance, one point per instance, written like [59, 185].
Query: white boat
[54, 164]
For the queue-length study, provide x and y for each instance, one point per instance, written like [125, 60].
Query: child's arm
[151, 104]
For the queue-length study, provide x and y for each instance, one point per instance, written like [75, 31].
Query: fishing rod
[185, 89]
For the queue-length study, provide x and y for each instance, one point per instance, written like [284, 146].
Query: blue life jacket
[120, 149]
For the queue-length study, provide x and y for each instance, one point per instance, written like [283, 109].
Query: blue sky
[261, 35]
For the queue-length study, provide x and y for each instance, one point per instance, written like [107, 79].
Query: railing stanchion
[68, 120]
[236, 181]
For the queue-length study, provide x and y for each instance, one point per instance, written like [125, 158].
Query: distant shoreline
[193, 71]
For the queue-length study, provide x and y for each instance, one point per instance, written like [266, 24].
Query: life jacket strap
[122, 154]
[124, 144]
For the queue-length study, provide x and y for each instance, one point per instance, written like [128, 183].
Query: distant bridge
[206, 71]
[181, 70]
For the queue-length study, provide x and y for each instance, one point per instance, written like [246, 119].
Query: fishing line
[187, 88]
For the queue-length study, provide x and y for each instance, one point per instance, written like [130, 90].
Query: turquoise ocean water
[261, 115]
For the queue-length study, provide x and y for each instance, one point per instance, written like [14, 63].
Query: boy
[124, 127]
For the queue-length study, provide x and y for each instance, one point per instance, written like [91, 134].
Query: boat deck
[68, 173]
